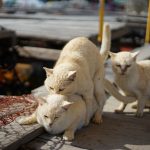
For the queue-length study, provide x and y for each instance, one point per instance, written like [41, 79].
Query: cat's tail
[106, 42]
[25, 120]
[111, 89]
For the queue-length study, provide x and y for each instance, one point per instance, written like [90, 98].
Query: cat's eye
[56, 117]
[45, 116]
[61, 89]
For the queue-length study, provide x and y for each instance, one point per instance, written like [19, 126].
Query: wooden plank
[39, 53]
[118, 131]
[13, 135]
[42, 16]
[51, 29]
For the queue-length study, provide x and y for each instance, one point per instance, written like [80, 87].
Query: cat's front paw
[139, 114]
[97, 119]
[21, 120]
[68, 135]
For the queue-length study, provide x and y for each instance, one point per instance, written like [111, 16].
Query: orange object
[101, 20]
[147, 37]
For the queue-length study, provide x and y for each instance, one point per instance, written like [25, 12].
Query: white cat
[133, 78]
[80, 70]
[60, 114]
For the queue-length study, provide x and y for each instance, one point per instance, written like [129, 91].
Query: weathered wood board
[38, 53]
[118, 131]
[59, 29]
[44, 16]
[13, 135]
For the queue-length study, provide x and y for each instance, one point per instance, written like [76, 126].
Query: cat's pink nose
[123, 70]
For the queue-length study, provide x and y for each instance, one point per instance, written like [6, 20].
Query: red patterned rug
[13, 106]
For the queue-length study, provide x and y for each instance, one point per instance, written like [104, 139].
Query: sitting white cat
[80, 70]
[60, 114]
[133, 78]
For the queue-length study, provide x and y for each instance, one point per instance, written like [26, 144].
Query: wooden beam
[13, 135]
[39, 53]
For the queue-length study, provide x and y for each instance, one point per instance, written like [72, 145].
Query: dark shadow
[118, 131]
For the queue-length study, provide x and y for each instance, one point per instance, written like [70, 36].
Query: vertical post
[147, 37]
[1, 3]
[101, 19]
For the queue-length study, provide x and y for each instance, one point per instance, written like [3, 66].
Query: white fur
[80, 70]
[68, 120]
[134, 80]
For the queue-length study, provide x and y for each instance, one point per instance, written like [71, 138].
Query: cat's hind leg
[88, 97]
[70, 131]
[140, 106]
[68, 135]
[100, 96]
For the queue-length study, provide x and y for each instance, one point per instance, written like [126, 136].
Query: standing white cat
[58, 113]
[133, 78]
[80, 70]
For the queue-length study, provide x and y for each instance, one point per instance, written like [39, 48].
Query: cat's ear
[48, 71]
[41, 101]
[71, 75]
[112, 55]
[135, 54]
[66, 105]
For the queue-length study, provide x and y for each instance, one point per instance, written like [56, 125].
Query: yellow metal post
[101, 20]
[147, 37]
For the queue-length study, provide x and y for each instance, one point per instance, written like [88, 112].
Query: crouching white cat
[133, 78]
[60, 113]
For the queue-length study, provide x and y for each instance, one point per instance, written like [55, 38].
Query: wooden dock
[118, 131]
[13, 135]
[59, 28]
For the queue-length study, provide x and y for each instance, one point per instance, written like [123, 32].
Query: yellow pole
[101, 20]
[147, 37]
